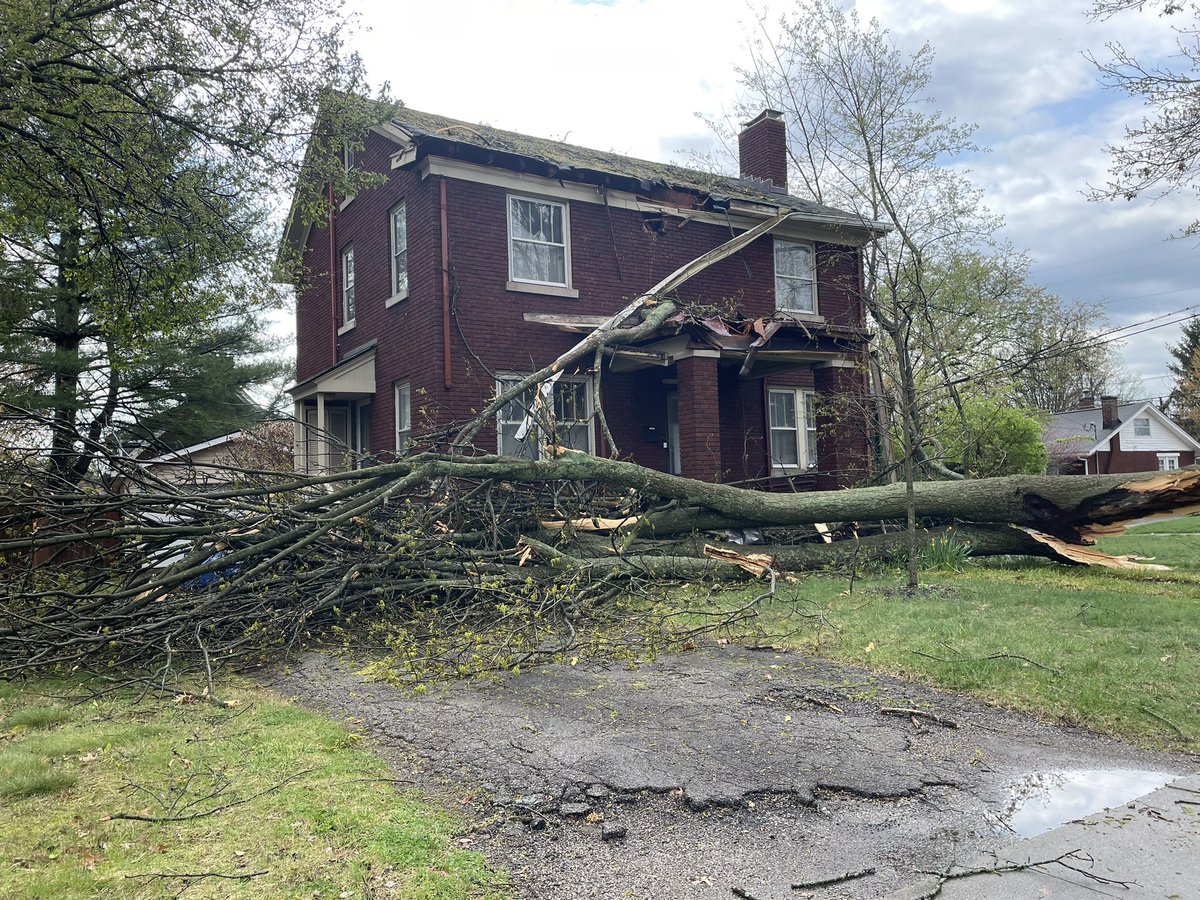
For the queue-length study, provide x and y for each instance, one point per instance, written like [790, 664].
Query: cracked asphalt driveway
[719, 769]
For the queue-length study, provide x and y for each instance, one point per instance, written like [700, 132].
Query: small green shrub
[945, 554]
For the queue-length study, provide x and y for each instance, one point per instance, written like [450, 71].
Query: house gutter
[332, 281]
[447, 373]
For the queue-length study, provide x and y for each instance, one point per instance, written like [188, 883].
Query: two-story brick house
[485, 254]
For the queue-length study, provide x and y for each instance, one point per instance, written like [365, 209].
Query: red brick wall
[699, 441]
[1117, 460]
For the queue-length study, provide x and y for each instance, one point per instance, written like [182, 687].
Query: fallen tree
[474, 561]
[449, 547]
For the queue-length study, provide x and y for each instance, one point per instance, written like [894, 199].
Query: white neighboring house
[1115, 437]
[198, 465]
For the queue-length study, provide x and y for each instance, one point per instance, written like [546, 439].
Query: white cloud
[629, 76]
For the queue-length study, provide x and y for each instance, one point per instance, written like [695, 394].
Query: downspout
[333, 326]
[447, 373]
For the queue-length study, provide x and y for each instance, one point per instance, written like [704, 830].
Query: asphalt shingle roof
[1075, 432]
[568, 157]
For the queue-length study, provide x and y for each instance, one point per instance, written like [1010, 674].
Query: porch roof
[354, 376]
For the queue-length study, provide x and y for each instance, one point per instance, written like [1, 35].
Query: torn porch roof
[762, 346]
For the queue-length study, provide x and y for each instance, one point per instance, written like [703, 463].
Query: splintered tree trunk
[1073, 509]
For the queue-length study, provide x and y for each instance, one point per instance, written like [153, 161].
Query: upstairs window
[1141, 427]
[399, 236]
[793, 424]
[795, 284]
[537, 241]
[348, 287]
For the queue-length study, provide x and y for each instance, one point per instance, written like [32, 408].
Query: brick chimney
[1087, 401]
[762, 148]
[1108, 405]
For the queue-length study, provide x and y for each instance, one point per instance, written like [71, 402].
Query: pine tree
[1185, 394]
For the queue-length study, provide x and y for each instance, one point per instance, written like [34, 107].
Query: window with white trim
[399, 236]
[515, 436]
[795, 282]
[537, 241]
[348, 287]
[403, 392]
[793, 429]
[1168, 462]
[1141, 427]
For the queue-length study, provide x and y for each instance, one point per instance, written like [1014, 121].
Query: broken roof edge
[419, 131]
[428, 133]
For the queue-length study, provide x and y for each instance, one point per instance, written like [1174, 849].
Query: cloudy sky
[632, 76]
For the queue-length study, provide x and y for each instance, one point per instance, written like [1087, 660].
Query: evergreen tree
[144, 145]
[1185, 394]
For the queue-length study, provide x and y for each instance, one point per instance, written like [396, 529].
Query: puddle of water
[1044, 800]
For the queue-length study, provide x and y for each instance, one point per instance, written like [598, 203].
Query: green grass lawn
[1118, 652]
[1183, 525]
[310, 814]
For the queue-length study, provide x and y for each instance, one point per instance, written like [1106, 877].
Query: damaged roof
[569, 162]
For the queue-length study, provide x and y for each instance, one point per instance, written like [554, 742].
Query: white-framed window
[398, 227]
[572, 418]
[538, 251]
[793, 425]
[1141, 427]
[1168, 462]
[347, 155]
[348, 287]
[795, 281]
[403, 392]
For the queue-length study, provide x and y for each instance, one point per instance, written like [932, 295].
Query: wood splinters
[1083, 555]
[918, 714]
[834, 879]
[757, 564]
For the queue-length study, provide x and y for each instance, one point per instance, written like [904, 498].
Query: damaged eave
[577, 324]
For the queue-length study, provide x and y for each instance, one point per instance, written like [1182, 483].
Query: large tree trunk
[1072, 508]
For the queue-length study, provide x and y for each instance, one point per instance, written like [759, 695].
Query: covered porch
[725, 401]
[332, 412]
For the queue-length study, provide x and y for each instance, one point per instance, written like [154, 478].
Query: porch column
[321, 444]
[299, 434]
[842, 421]
[699, 416]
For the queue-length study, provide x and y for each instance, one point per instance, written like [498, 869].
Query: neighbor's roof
[576, 163]
[1080, 432]
[184, 452]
